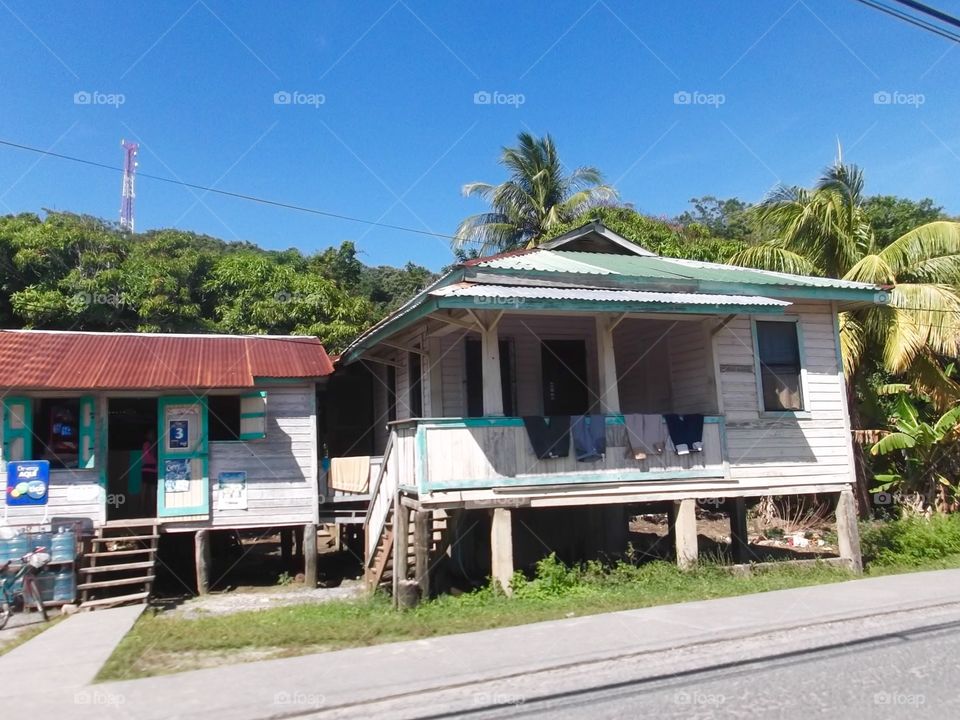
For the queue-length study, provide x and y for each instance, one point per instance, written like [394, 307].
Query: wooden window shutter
[253, 415]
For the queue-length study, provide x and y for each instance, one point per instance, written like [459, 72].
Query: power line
[227, 193]
[913, 20]
[931, 11]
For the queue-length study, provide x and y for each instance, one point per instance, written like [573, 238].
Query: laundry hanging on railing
[349, 474]
[646, 435]
[686, 432]
[589, 437]
[549, 436]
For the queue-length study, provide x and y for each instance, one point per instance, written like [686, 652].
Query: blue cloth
[685, 429]
[549, 436]
[589, 437]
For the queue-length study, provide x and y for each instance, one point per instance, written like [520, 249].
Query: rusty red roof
[53, 360]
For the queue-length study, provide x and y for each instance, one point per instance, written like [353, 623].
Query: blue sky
[771, 85]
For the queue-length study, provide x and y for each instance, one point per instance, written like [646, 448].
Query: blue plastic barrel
[40, 539]
[18, 546]
[45, 582]
[63, 548]
[65, 585]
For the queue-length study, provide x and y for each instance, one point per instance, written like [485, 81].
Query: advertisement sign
[232, 492]
[28, 482]
[176, 476]
[179, 434]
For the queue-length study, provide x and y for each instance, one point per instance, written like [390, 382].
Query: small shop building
[142, 434]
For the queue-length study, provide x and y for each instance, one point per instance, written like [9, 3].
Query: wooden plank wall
[691, 367]
[641, 348]
[785, 451]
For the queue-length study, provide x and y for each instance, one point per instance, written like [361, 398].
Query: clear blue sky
[399, 132]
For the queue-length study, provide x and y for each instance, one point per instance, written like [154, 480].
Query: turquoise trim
[201, 453]
[25, 433]
[252, 415]
[606, 476]
[87, 432]
[249, 436]
[588, 306]
[420, 461]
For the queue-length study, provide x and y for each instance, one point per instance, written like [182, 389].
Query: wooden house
[592, 326]
[148, 433]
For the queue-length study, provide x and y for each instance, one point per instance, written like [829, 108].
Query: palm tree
[825, 231]
[537, 196]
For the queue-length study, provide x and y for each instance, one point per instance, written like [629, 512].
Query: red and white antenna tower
[127, 194]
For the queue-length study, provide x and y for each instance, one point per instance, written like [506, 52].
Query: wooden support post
[201, 550]
[739, 543]
[286, 547]
[616, 529]
[310, 555]
[848, 532]
[401, 532]
[501, 548]
[607, 365]
[490, 349]
[435, 377]
[685, 530]
[422, 540]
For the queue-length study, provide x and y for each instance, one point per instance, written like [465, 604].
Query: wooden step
[119, 599]
[124, 538]
[113, 583]
[118, 553]
[118, 568]
[133, 522]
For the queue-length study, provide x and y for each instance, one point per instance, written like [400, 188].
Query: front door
[183, 482]
[563, 366]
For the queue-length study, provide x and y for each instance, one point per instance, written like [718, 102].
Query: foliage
[891, 216]
[911, 541]
[74, 272]
[729, 219]
[537, 196]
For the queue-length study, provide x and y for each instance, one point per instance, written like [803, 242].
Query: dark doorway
[474, 368]
[564, 367]
[346, 419]
[132, 458]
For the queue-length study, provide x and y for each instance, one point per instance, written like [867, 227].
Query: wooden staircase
[380, 565]
[119, 564]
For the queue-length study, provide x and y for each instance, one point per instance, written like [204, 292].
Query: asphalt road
[902, 665]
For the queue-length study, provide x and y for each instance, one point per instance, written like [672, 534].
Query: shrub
[910, 540]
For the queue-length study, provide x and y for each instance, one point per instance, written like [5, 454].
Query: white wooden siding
[641, 348]
[812, 448]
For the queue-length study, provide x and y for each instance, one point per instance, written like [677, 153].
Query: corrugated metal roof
[659, 268]
[602, 295]
[49, 360]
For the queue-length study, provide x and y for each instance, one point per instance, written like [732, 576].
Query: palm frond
[871, 269]
[928, 241]
[892, 442]
[768, 256]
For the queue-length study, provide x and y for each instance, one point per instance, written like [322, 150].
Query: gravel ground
[261, 599]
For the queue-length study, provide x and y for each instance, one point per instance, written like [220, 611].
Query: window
[223, 414]
[56, 429]
[415, 374]
[778, 350]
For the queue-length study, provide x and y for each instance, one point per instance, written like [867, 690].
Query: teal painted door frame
[198, 451]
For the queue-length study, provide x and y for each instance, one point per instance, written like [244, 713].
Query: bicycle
[30, 565]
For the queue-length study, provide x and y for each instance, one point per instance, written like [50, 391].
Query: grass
[159, 644]
[27, 633]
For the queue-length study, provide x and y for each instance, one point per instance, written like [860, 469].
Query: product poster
[179, 434]
[28, 482]
[176, 477]
[232, 493]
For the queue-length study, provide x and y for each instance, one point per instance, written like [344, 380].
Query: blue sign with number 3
[179, 434]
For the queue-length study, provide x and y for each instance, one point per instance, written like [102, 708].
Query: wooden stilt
[286, 546]
[685, 531]
[848, 532]
[309, 543]
[401, 540]
[501, 548]
[201, 547]
[739, 544]
[422, 539]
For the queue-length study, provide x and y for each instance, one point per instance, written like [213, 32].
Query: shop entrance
[132, 458]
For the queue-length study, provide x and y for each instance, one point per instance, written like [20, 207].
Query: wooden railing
[397, 466]
[475, 453]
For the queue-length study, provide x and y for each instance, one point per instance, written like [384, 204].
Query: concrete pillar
[422, 540]
[492, 382]
[310, 555]
[739, 544]
[401, 532]
[607, 365]
[501, 548]
[685, 532]
[848, 532]
[201, 549]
